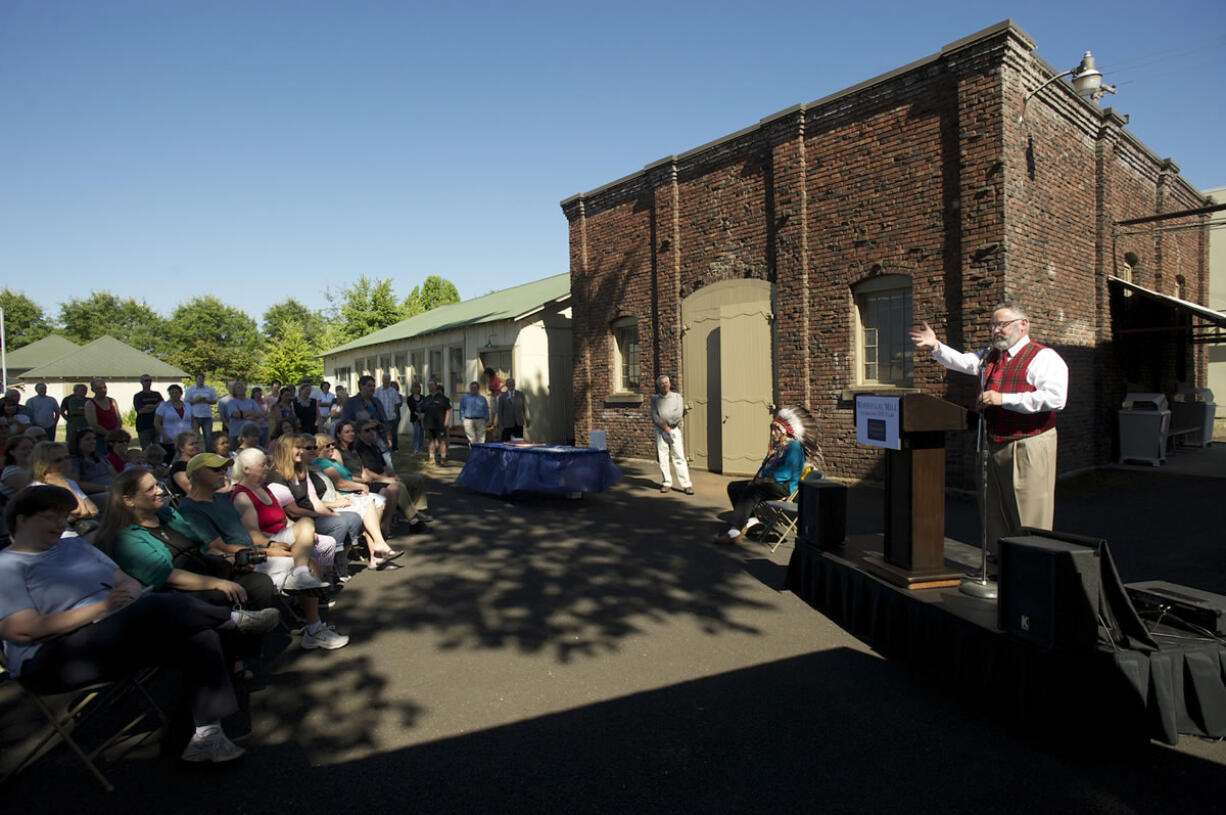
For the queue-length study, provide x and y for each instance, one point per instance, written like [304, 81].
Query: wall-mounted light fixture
[1087, 82]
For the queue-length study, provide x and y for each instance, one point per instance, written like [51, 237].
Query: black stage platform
[1119, 693]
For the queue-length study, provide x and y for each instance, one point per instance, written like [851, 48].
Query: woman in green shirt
[156, 545]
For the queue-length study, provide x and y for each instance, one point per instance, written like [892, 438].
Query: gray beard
[1001, 345]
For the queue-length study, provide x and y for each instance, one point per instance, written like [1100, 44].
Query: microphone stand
[978, 585]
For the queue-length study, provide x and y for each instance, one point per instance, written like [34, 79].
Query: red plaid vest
[1009, 376]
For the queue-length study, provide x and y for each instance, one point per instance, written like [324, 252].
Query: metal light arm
[1087, 83]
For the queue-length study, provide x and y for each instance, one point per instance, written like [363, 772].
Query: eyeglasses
[993, 324]
[312, 447]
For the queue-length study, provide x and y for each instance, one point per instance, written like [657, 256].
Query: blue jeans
[205, 428]
[395, 434]
[419, 437]
[346, 527]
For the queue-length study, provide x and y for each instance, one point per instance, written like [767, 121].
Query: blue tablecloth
[501, 469]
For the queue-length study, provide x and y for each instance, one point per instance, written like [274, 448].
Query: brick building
[784, 263]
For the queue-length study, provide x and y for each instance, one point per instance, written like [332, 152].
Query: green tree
[330, 336]
[291, 312]
[434, 291]
[207, 335]
[291, 356]
[24, 320]
[366, 306]
[127, 320]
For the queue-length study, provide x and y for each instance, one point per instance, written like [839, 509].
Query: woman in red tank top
[102, 415]
[270, 516]
[249, 489]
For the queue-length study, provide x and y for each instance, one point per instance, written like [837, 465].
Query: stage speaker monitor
[822, 508]
[1049, 590]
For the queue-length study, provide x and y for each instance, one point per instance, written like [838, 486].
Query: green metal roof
[105, 357]
[39, 352]
[507, 304]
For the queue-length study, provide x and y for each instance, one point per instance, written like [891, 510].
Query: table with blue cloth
[502, 469]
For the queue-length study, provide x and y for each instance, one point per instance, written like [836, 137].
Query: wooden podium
[914, 554]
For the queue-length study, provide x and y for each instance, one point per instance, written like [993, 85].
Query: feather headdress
[799, 424]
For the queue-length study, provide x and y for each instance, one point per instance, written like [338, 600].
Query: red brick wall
[927, 174]
[1071, 174]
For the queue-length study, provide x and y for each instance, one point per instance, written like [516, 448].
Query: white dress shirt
[203, 409]
[1047, 373]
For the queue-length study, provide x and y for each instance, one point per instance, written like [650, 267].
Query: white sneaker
[214, 747]
[325, 637]
[304, 583]
[258, 622]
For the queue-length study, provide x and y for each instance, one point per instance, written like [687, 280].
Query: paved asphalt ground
[599, 655]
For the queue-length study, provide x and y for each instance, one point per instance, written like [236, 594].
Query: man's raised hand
[925, 338]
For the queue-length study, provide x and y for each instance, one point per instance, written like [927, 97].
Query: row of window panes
[408, 368]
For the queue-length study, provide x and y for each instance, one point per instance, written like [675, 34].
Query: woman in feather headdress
[793, 439]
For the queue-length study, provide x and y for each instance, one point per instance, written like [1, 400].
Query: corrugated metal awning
[1211, 329]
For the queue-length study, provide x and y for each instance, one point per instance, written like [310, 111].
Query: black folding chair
[82, 704]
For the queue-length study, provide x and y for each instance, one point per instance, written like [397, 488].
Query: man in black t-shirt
[146, 401]
[436, 418]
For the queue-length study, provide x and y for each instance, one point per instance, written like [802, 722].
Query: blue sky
[257, 149]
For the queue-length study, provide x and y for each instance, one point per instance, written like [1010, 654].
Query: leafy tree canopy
[127, 320]
[434, 291]
[290, 357]
[213, 337]
[24, 320]
[288, 312]
[366, 306]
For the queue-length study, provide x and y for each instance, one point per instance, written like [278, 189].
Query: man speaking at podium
[1024, 383]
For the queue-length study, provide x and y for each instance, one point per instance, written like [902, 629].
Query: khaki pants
[1021, 486]
[474, 429]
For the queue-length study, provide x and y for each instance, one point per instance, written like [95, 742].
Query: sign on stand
[877, 421]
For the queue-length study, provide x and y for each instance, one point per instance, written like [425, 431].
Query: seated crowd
[121, 558]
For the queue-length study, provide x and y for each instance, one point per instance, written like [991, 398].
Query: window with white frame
[626, 354]
[883, 320]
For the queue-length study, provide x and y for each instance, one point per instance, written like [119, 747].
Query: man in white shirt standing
[667, 411]
[390, 400]
[326, 400]
[1025, 385]
[202, 397]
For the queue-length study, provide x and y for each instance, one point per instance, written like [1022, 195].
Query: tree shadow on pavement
[572, 577]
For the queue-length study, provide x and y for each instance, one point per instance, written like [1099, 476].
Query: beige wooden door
[739, 309]
[747, 385]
